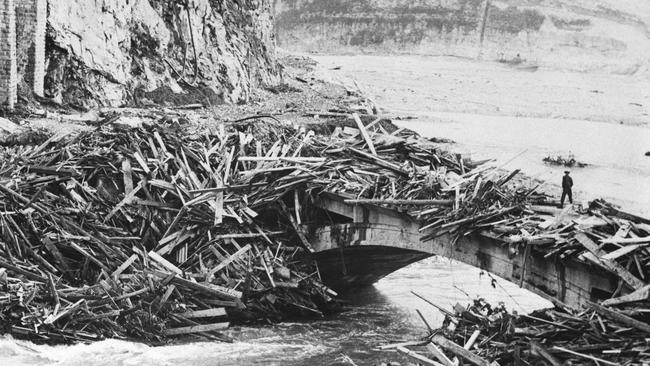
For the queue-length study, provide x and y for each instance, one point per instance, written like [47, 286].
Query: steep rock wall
[116, 52]
[576, 34]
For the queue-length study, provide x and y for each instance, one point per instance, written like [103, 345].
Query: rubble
[567, 161]
[152, 231]
[481, 334]
[170, 228]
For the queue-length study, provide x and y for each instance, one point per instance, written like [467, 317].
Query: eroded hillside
[581, 35]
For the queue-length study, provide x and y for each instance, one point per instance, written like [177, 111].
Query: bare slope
[582, 35]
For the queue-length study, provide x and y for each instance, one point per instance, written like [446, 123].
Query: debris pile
[152, 231]
[173, 228]
[448, 194]
[567, 161]
[481, 334]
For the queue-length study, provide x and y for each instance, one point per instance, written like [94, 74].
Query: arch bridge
[378, 241]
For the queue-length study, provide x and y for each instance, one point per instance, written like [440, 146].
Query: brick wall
[22, 47]
[8, 66]
[31, 16]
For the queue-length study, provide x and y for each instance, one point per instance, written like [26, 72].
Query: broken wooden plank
[439, 355]
[417, 356]
[458, 350]
[613, 266]
[164, 262]
[124, 266]
[615, 240]
[621, 318]
[638, 295]
[623, 251]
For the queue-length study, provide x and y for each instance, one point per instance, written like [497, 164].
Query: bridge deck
[379, 241]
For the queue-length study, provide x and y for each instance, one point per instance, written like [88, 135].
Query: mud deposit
[492, 111]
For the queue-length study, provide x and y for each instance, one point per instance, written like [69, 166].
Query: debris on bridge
[481, 334]
[170, 228]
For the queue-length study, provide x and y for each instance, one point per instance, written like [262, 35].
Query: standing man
[567, 184]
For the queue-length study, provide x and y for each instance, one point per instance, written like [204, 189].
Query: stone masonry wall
[8, 70]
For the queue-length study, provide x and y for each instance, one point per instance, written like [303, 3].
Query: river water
[386, 312]
[377, 315]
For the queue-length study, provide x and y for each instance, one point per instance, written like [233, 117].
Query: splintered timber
[171, 229]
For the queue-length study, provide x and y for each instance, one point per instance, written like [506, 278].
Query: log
[202, 328]
[618, 317]
[209, 289]
[207, 313]
[459, 351]
[28, 274]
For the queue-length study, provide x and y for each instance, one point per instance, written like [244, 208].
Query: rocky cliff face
[116, 52]
[607, 35]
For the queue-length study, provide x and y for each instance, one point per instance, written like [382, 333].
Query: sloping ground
[116, 52]
[583, 35]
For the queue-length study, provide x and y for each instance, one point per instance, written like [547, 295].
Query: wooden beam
[459, 351]
[638, 295]
[364, 133]
[164, 262]
[229, 260]
[623, 319]
[418, 356]
[437, 353]
[202, 328]
[613, 266]
[209, 289]
[207, 313]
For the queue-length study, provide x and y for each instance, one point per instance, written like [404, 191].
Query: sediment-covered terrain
[581, 35]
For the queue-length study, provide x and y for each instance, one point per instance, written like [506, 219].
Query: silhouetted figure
[567, 184]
